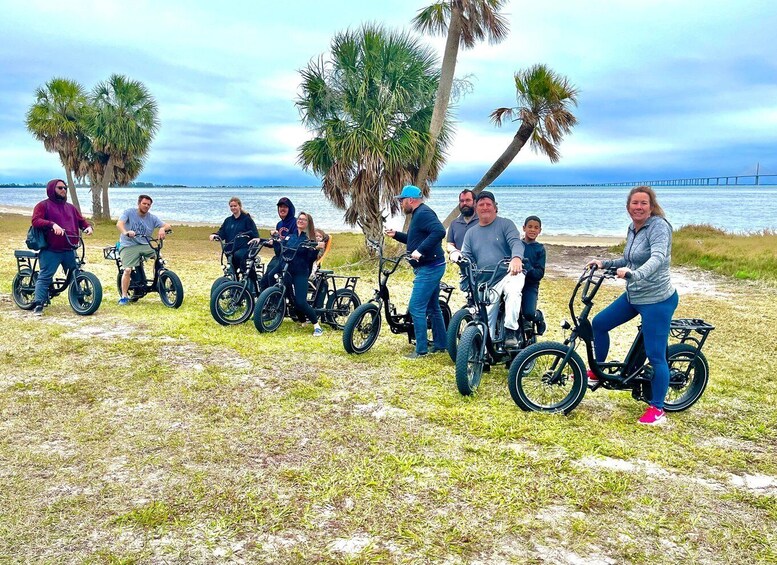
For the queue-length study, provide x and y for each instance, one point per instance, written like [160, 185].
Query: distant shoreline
[570, 240]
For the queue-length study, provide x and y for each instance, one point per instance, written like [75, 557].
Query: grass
[143, 434]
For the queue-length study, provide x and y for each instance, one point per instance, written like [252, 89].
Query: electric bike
[230, 275]
[479, 348]
[363, 325]
[85, 293]
[333, 305]
[551, 376]
[164, 281]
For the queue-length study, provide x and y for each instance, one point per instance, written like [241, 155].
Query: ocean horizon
[565, 210]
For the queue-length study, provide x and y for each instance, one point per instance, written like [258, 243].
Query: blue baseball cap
[410, 191]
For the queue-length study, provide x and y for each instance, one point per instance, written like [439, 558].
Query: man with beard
[424, 242]
[489, 241]
[463, 222]
[60, 220]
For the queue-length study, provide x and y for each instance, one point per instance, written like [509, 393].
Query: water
[597, 211]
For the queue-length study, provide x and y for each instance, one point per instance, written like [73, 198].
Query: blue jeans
[425, 300]
[529, 302]
[49, 262]
[655, 328]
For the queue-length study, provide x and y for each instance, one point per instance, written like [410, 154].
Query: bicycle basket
[111, 252]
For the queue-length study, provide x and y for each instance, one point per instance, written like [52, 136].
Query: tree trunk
[97, 206]
[105, 183]
[499, 166]
[447, 72]
[71, 186]
[106, 203]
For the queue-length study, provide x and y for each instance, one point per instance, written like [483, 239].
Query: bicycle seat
[324, 272]
[25, 253]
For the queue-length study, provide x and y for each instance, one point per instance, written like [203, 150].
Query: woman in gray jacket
[649, 293]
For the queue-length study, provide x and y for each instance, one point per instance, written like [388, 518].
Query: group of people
[478, 233]
[483, 238]
[291, 231]
[486, 239]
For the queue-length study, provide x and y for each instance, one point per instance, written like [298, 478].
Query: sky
[667, 88]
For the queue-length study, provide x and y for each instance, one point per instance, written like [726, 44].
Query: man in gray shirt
[485, 245]
[465, 220]
[136, 226]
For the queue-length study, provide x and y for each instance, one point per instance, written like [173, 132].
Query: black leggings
[300, 283]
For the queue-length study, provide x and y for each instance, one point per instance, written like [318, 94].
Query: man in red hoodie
[58, 218]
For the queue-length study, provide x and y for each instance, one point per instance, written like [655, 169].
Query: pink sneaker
[653, 417]
[592, 379]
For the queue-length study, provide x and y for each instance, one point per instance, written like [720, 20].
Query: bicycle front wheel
[541, 381]
[170, 289]
[231, 303]
[85, 294]
[270, 309]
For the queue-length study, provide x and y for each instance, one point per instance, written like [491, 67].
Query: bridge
[733, 180]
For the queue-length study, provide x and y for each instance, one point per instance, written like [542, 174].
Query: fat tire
[170, 289]
[470, 360]
[270, 309]
[231, 303]
[683, 393]
[23, 289]
[363, 325]
[340, 306]
[458, 321]
[218, 282]
[528, 379]
[85, 293]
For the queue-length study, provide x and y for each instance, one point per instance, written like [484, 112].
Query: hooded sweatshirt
[56, 210]
[287, 226]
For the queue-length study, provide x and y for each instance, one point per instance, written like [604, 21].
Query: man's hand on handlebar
[515, 267]
[89, 230]
[595, 263]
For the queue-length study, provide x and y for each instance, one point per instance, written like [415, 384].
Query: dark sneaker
[435, 349]
[414, 355]
[38, 310]
[541, 325]
[511, 339]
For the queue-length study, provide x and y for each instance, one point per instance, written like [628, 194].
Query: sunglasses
[61, 187]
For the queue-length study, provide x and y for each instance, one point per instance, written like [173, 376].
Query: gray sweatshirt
[487, 245]
[647, 254]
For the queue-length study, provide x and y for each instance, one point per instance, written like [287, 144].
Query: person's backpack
[36, 237]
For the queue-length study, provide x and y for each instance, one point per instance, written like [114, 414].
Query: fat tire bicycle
[471, 344]
[551, 376]
[254, 272]
[333, 305]
[85, 292]
[363, 326]
[164, 281]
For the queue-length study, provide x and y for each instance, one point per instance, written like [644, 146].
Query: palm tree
[544, 99]
[465, 22]
[121, 124]
[55, 119]
[368, 108]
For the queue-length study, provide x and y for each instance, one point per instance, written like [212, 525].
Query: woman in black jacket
[302, 265]
[240, 222]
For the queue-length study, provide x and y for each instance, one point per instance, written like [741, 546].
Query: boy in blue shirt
[534, 263]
